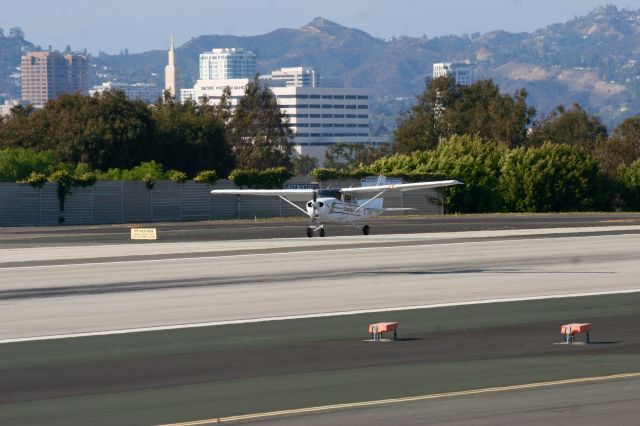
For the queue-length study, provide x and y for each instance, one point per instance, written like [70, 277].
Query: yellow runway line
[404, 399]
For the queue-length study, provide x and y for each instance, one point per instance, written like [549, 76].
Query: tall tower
[170, 73]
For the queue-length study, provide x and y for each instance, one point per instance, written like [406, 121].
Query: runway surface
[199, 373]
[186, 283]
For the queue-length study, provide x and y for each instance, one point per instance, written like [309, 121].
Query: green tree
[570, 127]
[190, 137]
[552, 178]
[19, 163]
[445, 109]
[345, 156]
[106, 130]
[474, 161]
[303, 165]
[420, 128]
[628, 178]
[258, 130]
[623, 147]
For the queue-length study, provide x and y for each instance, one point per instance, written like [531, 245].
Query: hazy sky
[141, 25]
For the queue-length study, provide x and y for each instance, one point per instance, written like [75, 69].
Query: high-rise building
[170, 73]
[46, 75]
[227, 64]
[462, 72]
[295, 77]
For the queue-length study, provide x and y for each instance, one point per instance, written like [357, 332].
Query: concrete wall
[131, 202]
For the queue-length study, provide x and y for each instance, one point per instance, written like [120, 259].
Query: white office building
[462, 72]
[294, 77]
[142, 91]
[225, 64]
[5, 108]
[318, 116]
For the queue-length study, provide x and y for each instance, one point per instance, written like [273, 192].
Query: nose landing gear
[311, 229]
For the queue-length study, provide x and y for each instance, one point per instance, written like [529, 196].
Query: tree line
[108, 131]
[509, 159]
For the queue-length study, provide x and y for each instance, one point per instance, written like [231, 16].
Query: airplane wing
[402, 187]
[291, 194]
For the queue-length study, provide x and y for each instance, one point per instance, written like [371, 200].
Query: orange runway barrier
[377, 329]
[569, 331]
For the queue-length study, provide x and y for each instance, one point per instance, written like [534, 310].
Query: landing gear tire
[365, 230]
[309, 232]
[322, 232]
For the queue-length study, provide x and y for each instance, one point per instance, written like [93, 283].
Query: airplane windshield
[335, 193]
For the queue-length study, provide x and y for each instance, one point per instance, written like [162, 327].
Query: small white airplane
[340, 205]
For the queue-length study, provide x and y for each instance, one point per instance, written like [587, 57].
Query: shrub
[552, 178]
[206, 176]
[628, 180]
[177, 176]
[18, 164]
[269, 178]
[149, 181]
[35, 179]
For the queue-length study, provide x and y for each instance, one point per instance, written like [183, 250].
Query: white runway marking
[307, 316]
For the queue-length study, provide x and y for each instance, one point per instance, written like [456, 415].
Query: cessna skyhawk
[339, 205]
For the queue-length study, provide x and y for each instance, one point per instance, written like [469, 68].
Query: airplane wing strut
[370, 200]
[294, 205]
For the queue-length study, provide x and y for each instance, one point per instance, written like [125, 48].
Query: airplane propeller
[313, 206]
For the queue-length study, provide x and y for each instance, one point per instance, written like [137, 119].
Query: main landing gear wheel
[322, 232]
[365, 230]
[309, 232]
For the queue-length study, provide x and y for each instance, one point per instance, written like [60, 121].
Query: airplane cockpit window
[335, 193]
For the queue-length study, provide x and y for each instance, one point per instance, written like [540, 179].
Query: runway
[184, 373]
[296, 277]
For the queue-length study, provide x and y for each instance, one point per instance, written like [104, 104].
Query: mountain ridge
[592, 59]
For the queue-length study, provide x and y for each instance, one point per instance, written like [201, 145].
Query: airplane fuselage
[331, 209]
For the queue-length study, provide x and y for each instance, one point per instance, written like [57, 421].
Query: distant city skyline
[145, 25]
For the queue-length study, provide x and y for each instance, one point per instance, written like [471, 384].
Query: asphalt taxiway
[108, 331]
